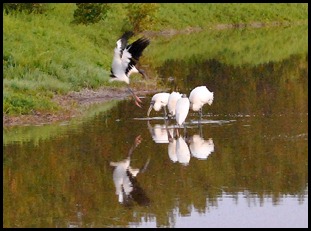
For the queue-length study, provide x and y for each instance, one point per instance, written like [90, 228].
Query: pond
[246, 163]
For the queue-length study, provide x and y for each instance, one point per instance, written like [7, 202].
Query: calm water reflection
[246, 165]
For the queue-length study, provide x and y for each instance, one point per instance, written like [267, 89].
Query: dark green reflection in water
[244, 89]
[235, 47]
[67, 180]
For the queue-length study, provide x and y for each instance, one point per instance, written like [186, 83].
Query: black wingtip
[127, 34]
[137, 47]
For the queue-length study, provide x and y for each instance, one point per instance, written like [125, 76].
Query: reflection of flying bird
[199, 147]
[159, 101]
[171, 104]
[182, 110]
[200, 96]
[125, 58]
[127, 187]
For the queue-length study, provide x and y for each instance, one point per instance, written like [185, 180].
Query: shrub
[88, 13]
[37, 8]
[142, 15]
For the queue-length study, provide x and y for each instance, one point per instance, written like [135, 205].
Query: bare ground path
[73, 104]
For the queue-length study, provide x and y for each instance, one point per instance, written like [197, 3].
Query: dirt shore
[73, 105]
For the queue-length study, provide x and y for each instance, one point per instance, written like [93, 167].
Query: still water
[244, 165]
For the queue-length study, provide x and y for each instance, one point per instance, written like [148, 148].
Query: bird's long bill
[149, 110]
[143, 74]
[137, 100]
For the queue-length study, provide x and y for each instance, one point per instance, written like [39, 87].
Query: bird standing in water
[182, 110]
[171, 104]
[200, 96]
[125, 58]
[159, 101]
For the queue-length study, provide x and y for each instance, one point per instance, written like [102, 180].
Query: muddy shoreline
[73, 105]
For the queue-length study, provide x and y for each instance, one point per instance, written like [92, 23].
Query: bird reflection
[124, 177]
[178, 150]
[158, 133]
[181, 148]
[199, 147]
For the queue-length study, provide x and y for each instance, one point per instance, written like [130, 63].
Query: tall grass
[46, 54]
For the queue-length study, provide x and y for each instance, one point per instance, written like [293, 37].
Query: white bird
[182, 110]
[125, 58]
[159, 101]
[200, 96]
[171, 104]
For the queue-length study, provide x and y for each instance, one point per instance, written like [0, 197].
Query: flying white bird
[171, 104]
[200, 96]
[182, 109]
[159, 101]
[125, 58]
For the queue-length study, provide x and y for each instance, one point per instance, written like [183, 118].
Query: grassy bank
[45, 54]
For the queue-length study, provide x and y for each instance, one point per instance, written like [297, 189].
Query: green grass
[45, 54]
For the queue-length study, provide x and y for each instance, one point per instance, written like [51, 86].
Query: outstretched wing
[132, 53]
[122, 42]
[117, 67]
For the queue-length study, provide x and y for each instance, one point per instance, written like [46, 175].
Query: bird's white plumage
[200, 96]
[125, 58]
[172, 100]
[158, 101]
[182, 110]
[120, 62]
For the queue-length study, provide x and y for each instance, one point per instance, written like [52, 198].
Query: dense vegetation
[46, 53]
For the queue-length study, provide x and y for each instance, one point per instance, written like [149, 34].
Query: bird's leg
[185, 130]
[165, 113]
[169, 136]
[144, 168]
[177, 132]
[200, 129]
[200, 115]
[138, 140]
[135, 97]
